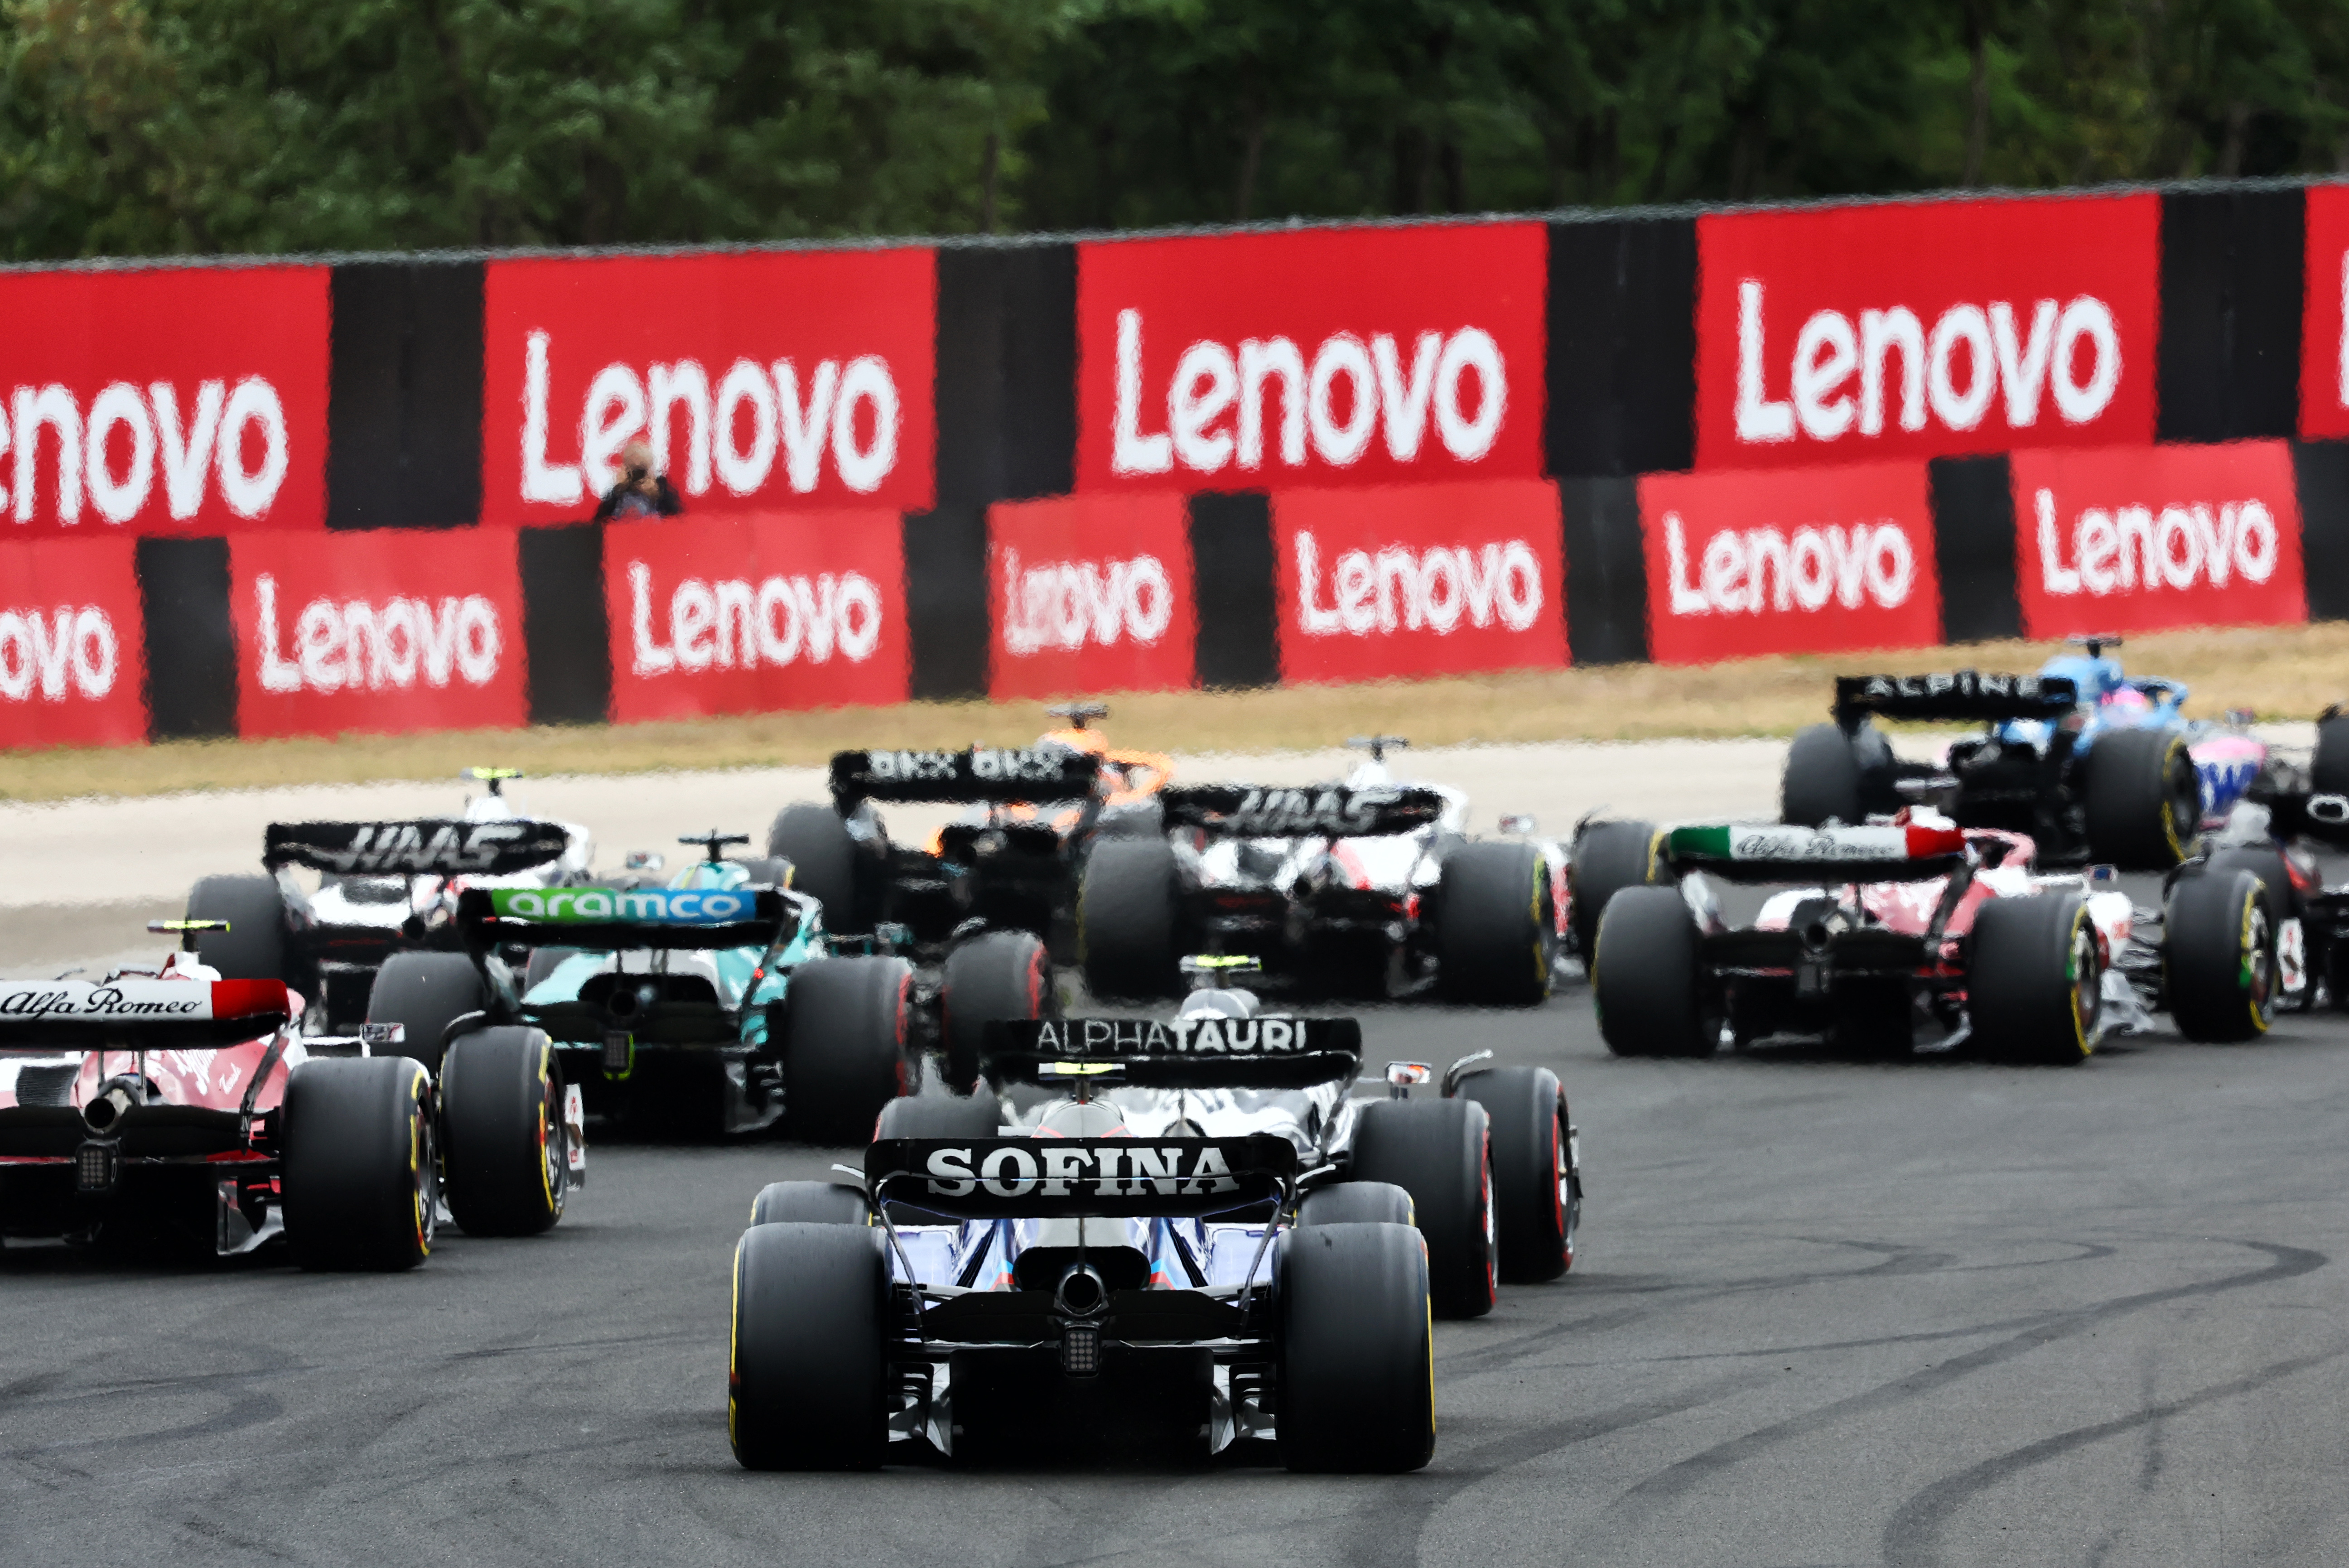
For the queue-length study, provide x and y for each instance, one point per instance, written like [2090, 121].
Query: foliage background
[141, 127]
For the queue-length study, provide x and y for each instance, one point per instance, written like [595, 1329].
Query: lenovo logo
[128, 439]
[362, 644]
[1439, 588]
[1744, 571]
[56, 652]
[1065, 604]
[2178, 548]
[732, 622]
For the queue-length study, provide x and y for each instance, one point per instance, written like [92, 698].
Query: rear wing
[1769, 852]
[977, 775]
[615, 918]
[431, 846]
[1325, 811]
[139, 1015]
[2295, 813]
[1957, 694]
[1269, 1053]
[1022, 1178]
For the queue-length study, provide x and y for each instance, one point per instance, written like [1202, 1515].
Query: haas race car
[172, 1106]
[1369, 887]
[384, 888]
[2092, 764]
[1919, 932]
[1202, 1241]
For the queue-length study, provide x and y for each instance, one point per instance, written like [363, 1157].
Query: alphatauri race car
[2275, 833]
[384, 888]
[173, 1106]
[713, 1005]
[1206, 1238]
[1916, 931]
[2091, 764]
[1369, 887]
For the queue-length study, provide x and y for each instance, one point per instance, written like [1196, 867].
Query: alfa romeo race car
[1369, 887]
[171, 1105]
[384, 888]
[1918, 931]
[1206, 1237]
[2091, 764]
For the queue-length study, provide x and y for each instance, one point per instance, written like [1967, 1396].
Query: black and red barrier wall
[271, 498]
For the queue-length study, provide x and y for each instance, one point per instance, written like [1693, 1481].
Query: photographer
[640, 492]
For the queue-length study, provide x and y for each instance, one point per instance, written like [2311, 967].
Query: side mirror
[643, 860]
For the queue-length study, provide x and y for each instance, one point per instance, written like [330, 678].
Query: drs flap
[1046, 1177]
[1327, 811]
[979, 774]
[1959, 694]
[428, 847]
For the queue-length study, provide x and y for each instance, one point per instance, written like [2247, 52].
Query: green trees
[131, 127]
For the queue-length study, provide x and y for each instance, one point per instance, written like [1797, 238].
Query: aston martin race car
[384, 888]
[1206, 1238]
[172, 1105]
[2089, 763]
[1369, 887]
[1919, 932]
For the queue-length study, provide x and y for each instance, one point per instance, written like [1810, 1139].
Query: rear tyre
[2144, 799]
[506, 1151]
[1607, 855]
[2328, 769]
[359, 1179]
[843, 1046]
[999, 976]
[806, 1385]
[767, 870]
[823, 862]
[2266, 862]
[1535, 1192]
[425, 994]
[1496, 925]
[1357, 1381]
[1822, 778]
[809, 1203]
[1439, 1151]
[1644, 977]
[1356, 1203]
[2219, 952]
[253, 946]
[1126, 919]
[941, 1117]
[2034, 979]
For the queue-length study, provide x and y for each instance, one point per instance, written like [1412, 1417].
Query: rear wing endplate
[1022, 1178]
[1268, 1052]
[428, 847]
[615, 918]
[1772, 852]
[980, 775]
[1955, 695]
[1324, 811]
[139, 1015]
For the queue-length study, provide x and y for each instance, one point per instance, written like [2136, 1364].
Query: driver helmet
[1082, 1119]
[1233, 1002]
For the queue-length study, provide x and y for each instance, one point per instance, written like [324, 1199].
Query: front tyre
[1607, 856]
[1128, 909]
[1001, 977]
[253, 946]
[1536, 1194]
[822, 858]
[1822, 778]
[1441, 1152]
[1357, 1379]
[1644, 977]
[2035, 979]
[506, 1149]
[1496, 925]
[2219, 952]
[844, 1041]
[359, 1175]
[2142, 799]
[805, 1384]
[424, 994]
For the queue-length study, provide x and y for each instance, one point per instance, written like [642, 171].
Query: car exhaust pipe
[116, 1097]
[1081, 1292]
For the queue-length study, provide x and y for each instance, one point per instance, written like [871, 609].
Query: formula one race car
[384, 888]
[2090, 763]
[2274, 832]
[711, 1005]
[172, 1105]
[1918, 928]
[1369, 887]
[1209, 1238]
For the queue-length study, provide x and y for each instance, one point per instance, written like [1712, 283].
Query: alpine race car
[1369, 887]
[1919, 932]
[172, 1105]
[2092, 764]
[1205, 1239]
[384, 888]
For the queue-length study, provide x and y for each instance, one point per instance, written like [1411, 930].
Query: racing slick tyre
[997, 977]
[424, 994]
[811, 1203]
[940, 1115]
[359, 1179]
[1356, 1203]
[2144, 799]
[544, 962]
[2328, 766]
[1537, 1195]
[1643, 977]
[1607, 855]
[843, 1046]
[1356, 1387]
[1821, 780]
[2219, 952]
[253, 946]
[505, 1146]
[1126, 919]
[1441, 1152]
[2034, 980]
[1496, 925]
[2266, 862]
[823, 862]
[767, 870]
[806, 1378]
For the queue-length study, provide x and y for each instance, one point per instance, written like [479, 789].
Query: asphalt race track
[1827, 1311]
